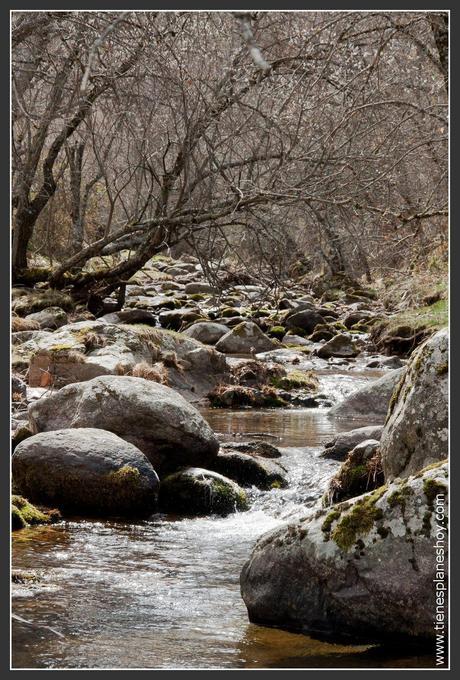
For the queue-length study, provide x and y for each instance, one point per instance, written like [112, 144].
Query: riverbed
[164, 593]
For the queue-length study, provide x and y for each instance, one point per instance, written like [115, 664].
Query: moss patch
[296, 380]
[24, 514]
[359, 520]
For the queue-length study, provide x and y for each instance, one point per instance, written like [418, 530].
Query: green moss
[125, 476]
[296, 380]
[383, 531]
[359, 520]
[229, 312]
[17, 520]
[276, 485]
[299, 348]
[277, 332]
[25, 514]
[330, 519]
[431, 488]
[443, 368]
[400, 496]
[197, 296]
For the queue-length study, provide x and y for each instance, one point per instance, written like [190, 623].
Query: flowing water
[164, 593]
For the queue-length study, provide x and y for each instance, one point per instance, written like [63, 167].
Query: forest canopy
[272, 137]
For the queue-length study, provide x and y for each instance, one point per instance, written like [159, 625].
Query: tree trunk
[22, 232]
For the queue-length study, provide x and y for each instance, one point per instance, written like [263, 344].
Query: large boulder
[85, 470]
[206, 331]
[416, 430]
[342, 443]
[245, 338]
[153, 417]
[87, 349]
[364, 568]
[371, 400]
[195, 491]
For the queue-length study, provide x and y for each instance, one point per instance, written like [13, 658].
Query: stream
[164, 593]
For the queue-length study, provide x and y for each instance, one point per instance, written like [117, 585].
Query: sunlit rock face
[416, 430]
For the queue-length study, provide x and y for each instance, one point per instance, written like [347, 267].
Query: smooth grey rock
[206, 331]
[245, 338]
[85, 470]
[367, 570]
[153, 417]
[371, 400]
[416, 431]
[342, 443]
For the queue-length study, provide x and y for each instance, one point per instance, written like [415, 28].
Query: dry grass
[18, 324]
[156, 373]
[94, 341]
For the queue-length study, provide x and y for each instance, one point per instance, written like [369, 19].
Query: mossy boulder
[87, 471]
[277, 332]
[237, 396]
[249, 470]
[340, 345]
[297, 380]
[196, 491]
[364, 568]
[416, 429]
[24, 514]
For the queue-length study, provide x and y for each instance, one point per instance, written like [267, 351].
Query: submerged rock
[262, 449]
[416, 430]
[364, 568]
[86, 470]
[196, 491]
[153, 417]
[371, 400]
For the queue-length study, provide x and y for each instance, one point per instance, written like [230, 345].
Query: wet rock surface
[363, 569]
